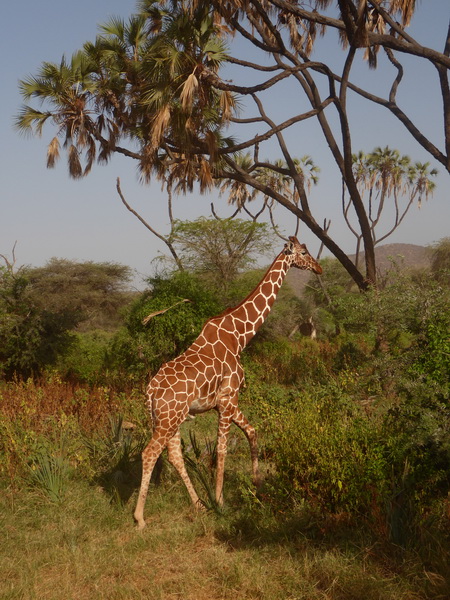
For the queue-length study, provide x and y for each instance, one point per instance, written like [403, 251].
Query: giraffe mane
[230, 309]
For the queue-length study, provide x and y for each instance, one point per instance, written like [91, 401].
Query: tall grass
[33, 414]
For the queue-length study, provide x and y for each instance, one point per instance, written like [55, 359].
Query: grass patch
[86, 548]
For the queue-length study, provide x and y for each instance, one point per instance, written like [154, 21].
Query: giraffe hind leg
[150, 455]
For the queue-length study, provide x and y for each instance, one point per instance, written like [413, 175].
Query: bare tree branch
[161, 237]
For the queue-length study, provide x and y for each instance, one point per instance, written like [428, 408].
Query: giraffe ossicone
[208, 376]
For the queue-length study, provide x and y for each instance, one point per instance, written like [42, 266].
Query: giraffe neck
[248, 316]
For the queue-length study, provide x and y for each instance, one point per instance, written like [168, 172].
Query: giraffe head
[301, 257]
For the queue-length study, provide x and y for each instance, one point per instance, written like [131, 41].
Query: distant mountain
[408, 256]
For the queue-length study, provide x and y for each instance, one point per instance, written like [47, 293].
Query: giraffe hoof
[141, 524]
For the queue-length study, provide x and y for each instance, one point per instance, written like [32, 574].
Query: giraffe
[208, 376]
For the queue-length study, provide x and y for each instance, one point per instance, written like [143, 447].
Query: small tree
[31, 336]
[220, 249]
[93, 292]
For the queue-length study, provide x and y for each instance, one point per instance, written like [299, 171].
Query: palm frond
[74, 163]
[114, 27]
[30, 119]
[53, 153]
[189, 88]
[204, 176]
[160, 124]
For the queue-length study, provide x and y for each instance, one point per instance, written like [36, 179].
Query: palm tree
[187, 114]
[148, 80]
[68, 90]
[386, 175]
[273, 175]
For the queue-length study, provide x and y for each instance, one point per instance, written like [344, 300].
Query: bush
[162, 323]
[327, 451]
[31, 336]
[289, 362]
[86, 360]
[368, 432]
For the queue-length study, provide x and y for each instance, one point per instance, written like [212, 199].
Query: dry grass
[34, 403]
[87, 549]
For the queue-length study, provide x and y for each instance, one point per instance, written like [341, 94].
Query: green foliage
[94, 293]
[31, 335]
[334, 283]
[399, 317]
[86, 359]
[50, 470]
[349, 356]
[433, 359]
[288, 312]
[325, 450]
[240, 287]
[41, 307]
[345, 452]
[115, 458]
[183, 302]
[201, 464]
[288, 363]
[440, 265]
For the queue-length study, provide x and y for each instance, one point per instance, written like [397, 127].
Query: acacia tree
[153, 89]
[221, 249]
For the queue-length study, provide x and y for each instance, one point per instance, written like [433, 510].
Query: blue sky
[48, 214]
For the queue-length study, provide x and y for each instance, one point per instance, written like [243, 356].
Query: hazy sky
[48, 214]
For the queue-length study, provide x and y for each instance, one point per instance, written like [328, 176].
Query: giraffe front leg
[225, 419]
[250, 433]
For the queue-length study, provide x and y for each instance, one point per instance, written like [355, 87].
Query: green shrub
[373, 439]
[289, 362]
[162, 323]
[85, 361]
[433, 359]
[50, 470]
[326, 450]
[114, 456]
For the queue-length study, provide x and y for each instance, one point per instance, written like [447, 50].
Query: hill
[408, 256]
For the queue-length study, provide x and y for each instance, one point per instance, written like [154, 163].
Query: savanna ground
[69, 478]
